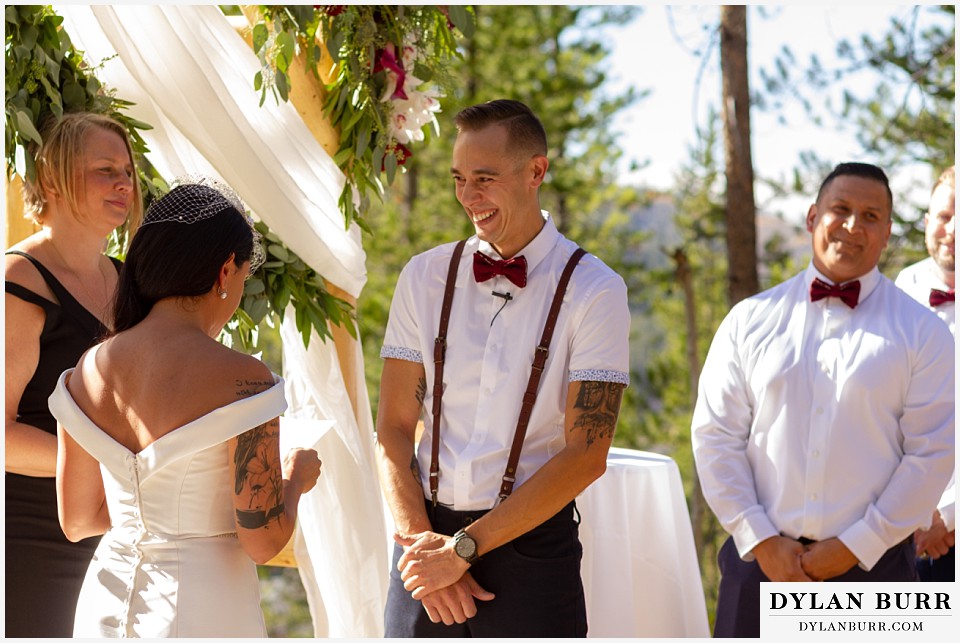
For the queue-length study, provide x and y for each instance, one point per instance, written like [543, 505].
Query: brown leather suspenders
[439, 354]
[529, 397]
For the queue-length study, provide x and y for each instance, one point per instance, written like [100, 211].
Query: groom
[476, 519]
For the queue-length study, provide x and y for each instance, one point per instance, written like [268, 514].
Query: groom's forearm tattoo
[421, 391]
[599, 403]
[258, 473]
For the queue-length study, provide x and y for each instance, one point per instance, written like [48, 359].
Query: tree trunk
[470, 97]
[410, 198]
[740, 206]
[685, 279]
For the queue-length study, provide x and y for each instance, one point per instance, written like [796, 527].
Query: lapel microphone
[505, 296]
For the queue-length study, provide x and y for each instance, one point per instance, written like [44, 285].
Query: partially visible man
[931, 282]
[824, 425]
[484, 503]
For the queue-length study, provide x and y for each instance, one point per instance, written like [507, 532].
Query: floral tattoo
[258, 471]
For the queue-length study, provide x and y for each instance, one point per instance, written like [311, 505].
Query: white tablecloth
[639, 568]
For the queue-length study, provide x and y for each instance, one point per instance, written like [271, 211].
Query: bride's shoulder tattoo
[247, 387]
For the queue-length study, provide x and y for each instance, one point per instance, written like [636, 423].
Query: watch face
[466, 547]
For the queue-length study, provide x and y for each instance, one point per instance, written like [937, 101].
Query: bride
[169, 441]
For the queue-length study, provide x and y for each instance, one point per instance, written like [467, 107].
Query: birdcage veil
[196, 198]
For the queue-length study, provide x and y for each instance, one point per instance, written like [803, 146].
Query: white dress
[170, 565]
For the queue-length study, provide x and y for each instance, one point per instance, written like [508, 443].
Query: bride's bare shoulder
[246, 375]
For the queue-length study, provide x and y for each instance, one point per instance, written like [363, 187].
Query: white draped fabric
[191, 77]
[341, 544]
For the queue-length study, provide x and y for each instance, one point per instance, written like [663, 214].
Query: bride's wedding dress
[170, 565]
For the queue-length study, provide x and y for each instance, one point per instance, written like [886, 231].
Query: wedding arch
[306, 134]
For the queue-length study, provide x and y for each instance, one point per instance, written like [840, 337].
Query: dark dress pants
[941, 570]
[738, 602]
[536, 580]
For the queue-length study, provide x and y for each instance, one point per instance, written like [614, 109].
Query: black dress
[44, 570]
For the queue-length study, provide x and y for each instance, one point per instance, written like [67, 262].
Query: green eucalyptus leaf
[363, 138]
[423, 72]
[260, 36]
[28, 36]
[283, 85]
[462, 19]
[390, 165]
[288, 44]
[243, 317]
[279, 252]
[282, 63]
[259, 309]
[283, 298]
[254, 286]
[26, 128]
[74, 96]
[132, 122]
[336, 43]
[30, 167]
[342, 156]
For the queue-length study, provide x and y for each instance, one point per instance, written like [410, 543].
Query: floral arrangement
[388, 78]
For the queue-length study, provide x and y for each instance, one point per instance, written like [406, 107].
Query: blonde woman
[59, 288]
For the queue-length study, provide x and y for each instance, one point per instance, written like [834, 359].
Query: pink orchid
[387, 61]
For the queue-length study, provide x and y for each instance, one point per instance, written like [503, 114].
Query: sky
[656, 52]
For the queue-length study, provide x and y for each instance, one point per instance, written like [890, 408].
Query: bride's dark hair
[171, 258]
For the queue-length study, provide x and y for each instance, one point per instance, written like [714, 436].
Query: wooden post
[18, 226]
[307, 95]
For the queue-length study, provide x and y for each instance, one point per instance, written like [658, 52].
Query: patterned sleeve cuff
[399, 352]
[593, 375]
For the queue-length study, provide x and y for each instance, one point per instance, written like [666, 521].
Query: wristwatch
[465, 546]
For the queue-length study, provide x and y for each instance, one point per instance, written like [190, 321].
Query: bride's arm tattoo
[258, 474]
[599, 406]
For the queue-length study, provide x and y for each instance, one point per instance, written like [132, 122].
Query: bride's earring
[222, 293]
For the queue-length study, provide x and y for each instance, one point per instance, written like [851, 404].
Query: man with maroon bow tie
[931, 282]
[515, 344]
[824, 425]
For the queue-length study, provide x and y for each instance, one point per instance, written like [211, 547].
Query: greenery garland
[46, 74]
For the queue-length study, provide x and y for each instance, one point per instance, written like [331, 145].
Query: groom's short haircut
[524, 129]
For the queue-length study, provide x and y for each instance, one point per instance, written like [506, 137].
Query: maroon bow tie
[939, 297]
[848, 293]
[514, 269]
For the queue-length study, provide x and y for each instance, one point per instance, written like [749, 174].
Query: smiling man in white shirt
[487, 532]
[932, 282]
[824, 425]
